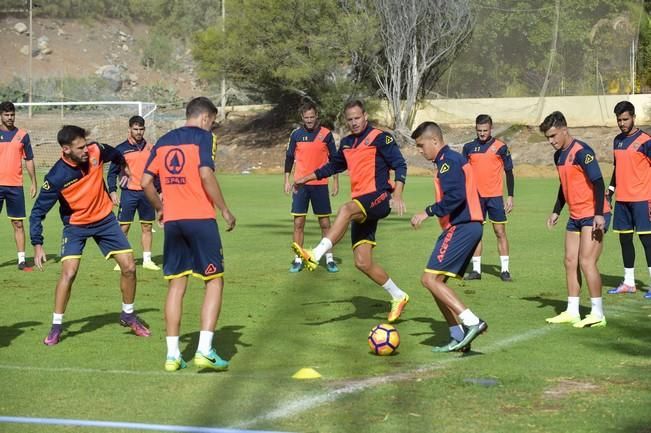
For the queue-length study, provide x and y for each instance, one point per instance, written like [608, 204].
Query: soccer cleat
[174, 364]
[448, 347]
[506, 276]
[212, 360]
[622, 288]
[54, 335]
[151, 266]
[472, 275]
[564, 317]
[296, 267]
[332, 267]
[306, 255]
[591, 321]
[472, 332]
[130, 320]
[116, 267]
[648, 294]
[397, 307]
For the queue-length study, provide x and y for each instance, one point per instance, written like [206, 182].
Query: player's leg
[497, 216]
[173, 312]
[147, 216]
[646, 244]
[16, 213]
[590, 249]
[19, 237]
[475, 273]
[69, 268]
[320, 200]
[126, 214]
[324, 223]
[624, 225]
[206, 355]
[300, 203]
[298, 239]
[572, 275]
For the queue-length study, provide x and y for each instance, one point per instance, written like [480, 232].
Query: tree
[420, 38]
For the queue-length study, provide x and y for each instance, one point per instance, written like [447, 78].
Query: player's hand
[598, 227]
[417, 219]
[229, 218]
[288, 187]
[552, 220]
[114, 198]
[39, 256]
[32, 191]
[160, 218]
[508, 205]
[609, 197]
[397, 204]
[335, 188]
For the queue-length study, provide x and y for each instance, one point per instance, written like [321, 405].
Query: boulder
[112, 75]
[20, 28]
[25, 50]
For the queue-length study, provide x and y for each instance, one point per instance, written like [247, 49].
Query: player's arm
[336, 164]
[110, 153]
[289, 162]
[47, 197]
[210, 184]
[558, 207]
[391, 153]
[112, 181]
[453, 182]
[29, 164]
[507, 161]
[150, 183]
[332, 150]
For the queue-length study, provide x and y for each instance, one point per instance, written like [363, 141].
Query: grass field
[523, 375]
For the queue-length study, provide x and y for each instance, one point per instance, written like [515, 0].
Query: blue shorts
[192, 247]
[375, 207]
[130, 201]
[454, 249]
[318, 195]
[494, 207]
[574, 224]
[106, 233]
[15, 199]
[632, 216]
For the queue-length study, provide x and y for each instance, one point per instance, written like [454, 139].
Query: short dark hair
[554, 120]
[136, 120]
[7, 107]
[199, 106]
[69, 133]
[622, 107]
[307, 106]
[483, 119]
[427, 127]
[352, 103]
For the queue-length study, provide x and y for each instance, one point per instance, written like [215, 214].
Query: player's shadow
[93, 323]
[13, 262]
[226, 341]
[364, 308]
[439, 335]
[612, 281]
[10, 333]
[557, 304]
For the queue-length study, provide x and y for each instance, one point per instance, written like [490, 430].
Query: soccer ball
[383, 339]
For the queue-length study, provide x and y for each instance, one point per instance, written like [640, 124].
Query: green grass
[523, 375]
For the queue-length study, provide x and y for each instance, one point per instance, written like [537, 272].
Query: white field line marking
[87, 370]
[295, 407]
[124, 425]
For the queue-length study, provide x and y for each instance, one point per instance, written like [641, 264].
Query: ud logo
[588, 159]
[174, 161]
[46, 185]
[444, 168]
[388, 139]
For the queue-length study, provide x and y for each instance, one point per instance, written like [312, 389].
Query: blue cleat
[211, 360]
[332, 267]
[296, 267]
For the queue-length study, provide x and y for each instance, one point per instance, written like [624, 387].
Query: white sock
[146, 256]
[650, 273]
[468, 318]
[173, 347]
[597, 307]
[393, 290]
[457, 332]
[205, 342]
[573, 305]
[505, 263]
[324, 246]
[127, 308]
[21, 256]
[629, 276]
[476, 264]
[329, 258]
[297, 259]
[57, 319]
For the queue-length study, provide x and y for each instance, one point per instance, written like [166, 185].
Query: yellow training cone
[306, 373]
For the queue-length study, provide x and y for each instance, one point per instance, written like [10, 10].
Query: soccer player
[135, 150]
[631, 184]
[76, 181]
[182, 159]
[582, 188]
[459, 211]
[488, 157]
[368, 154]
[14, 147]
[310, 147]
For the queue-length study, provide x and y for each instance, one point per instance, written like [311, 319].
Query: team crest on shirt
[94, 162]
[388, 139]
[444, 168]
[588, 159]
[46, 186]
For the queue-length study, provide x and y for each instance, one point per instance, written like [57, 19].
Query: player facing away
[76, 181]
[310, 147]
[488, 157]
[136, 151]
[368, 154]
[631, 185]
[582, 188]
[459, 212]
[182, 160]
[14, 147]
